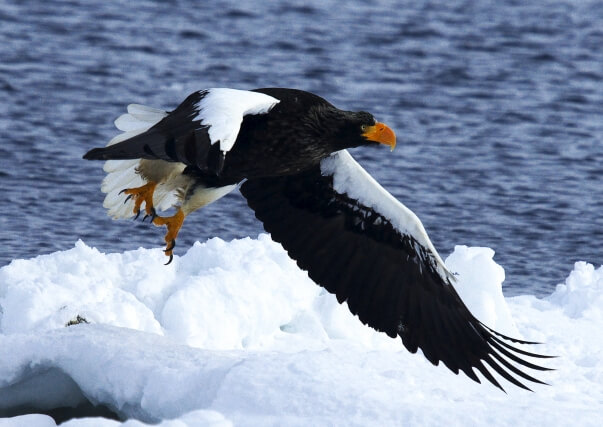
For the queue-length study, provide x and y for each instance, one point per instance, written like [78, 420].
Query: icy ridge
[235, 332]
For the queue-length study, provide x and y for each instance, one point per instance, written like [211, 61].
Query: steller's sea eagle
[286, 149]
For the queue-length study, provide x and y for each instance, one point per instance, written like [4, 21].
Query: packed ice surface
[235, 333]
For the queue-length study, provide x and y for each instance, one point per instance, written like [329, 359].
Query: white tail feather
[121, 179]
[123, 136]
[129, 123]
[122, 174]
[119, 165]
[164, 197]
[144, 113]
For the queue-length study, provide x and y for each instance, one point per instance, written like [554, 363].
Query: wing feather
[199, 132]
[358, 242]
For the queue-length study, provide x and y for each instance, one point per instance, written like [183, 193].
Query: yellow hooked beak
[382, 134]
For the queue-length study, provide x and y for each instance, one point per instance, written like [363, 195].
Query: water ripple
[497, 105]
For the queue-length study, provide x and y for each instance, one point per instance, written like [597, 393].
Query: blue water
[498, 108]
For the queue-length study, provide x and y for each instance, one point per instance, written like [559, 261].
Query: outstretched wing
[199, 132]
[361, 244]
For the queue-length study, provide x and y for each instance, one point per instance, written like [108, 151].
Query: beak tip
[382, 134]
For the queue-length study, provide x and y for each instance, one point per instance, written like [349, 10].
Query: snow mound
[581, 296]
[234, 333]
[479, 284]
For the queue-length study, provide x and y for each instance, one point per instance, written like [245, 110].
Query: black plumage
[295, 134]
[390, 277]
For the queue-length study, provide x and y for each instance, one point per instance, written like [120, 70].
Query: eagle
[286, 150]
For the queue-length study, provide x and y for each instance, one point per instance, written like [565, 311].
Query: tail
[122, 173]
[138, 120]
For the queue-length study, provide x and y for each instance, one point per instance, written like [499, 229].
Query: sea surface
[497, 105]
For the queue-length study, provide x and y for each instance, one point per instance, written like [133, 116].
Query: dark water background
[498, 108]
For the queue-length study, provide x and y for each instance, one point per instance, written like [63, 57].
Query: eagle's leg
[142, 194]
[173, 224]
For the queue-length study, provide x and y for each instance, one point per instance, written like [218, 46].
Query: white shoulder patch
[351, 179]
[223, 109]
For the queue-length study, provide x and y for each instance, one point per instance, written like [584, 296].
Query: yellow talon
[173, 224]
[142, 194]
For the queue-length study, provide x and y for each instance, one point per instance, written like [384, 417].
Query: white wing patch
[350, 178]
[122, 173]
[223, 109]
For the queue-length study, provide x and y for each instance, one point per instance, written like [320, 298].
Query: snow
[233, 333]
[481, 288]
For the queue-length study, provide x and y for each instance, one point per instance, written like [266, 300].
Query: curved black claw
[153, 215]
[122, 191]
[171, 247]
[127, 198]
[170, 251]
[137, 214]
